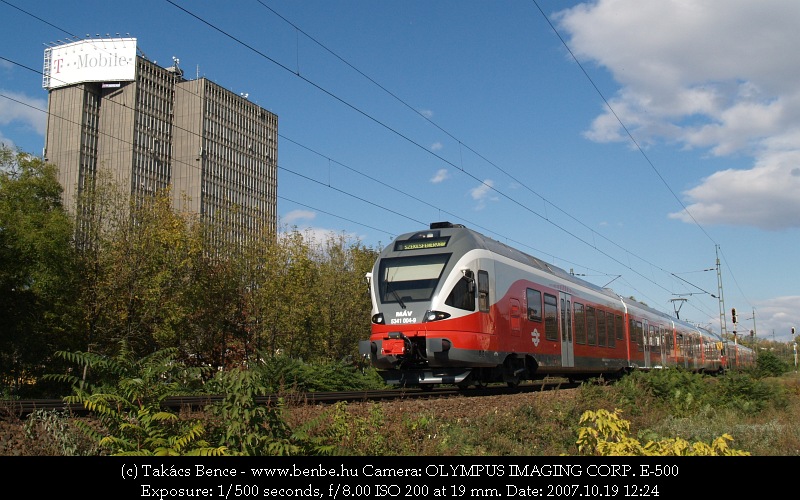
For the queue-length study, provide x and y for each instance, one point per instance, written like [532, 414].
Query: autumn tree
[139, 259]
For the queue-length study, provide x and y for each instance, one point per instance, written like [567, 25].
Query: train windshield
[410, 279]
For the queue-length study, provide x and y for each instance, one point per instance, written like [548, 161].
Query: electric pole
[723, 328]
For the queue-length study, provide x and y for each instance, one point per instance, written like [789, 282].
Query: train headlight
[435, 316]
[378, 319]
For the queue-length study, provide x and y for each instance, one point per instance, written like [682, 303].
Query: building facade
[150, 128]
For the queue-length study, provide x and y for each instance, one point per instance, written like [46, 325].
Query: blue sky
[632, 141]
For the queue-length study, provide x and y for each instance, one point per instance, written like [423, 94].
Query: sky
[651, 146]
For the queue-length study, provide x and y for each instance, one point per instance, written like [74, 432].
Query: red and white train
[452, 306]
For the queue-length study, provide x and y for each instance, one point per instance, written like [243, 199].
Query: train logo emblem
[535, 337]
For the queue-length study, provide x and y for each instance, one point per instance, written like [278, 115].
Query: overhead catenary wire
[459, 167]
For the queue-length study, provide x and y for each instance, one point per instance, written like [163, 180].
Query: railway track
[23, 408]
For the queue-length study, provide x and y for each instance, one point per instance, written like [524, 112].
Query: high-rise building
[112, 109]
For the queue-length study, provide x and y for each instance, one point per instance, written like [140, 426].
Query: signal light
[733, 314]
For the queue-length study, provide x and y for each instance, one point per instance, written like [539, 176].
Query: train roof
[460, 235]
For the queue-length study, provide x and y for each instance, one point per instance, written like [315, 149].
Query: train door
[647, 342]
[565, 327]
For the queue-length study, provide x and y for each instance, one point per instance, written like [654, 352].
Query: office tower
[110, 108]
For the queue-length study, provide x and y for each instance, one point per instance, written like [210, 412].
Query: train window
[483, 291]
[580, 323]
[550, 317]
[534, 298]
[591, 326]
[667, 340]
[463, 295]
[637, 334]
[611, 329]
[601, 328]
[619, 327]
[408, 279]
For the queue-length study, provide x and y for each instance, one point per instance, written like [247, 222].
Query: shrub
[606, 434]
[128, 403]
[247, 427]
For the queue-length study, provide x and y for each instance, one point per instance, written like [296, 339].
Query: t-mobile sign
[91, 60]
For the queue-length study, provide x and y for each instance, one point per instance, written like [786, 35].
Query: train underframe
[426, 362]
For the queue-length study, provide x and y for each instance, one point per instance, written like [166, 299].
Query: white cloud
[704, 74]
[436, 146]
[440, 176]
[292, 217]
[781, 314]
[775, 177]
[427, 113]
[25, 110]
[482, 193]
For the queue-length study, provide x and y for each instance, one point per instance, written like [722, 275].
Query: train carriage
[452, 306]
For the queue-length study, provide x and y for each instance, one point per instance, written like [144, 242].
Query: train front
[424, 324]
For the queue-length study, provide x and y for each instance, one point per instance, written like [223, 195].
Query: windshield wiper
[396, 296]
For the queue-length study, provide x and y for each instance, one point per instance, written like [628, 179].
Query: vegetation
[133, 304]
[607, 435]
[670, 412]
[147, 276]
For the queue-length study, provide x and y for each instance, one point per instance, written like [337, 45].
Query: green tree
[139, 260]
[342, 296]
[37, 269]
[283, 302]
[217, 331]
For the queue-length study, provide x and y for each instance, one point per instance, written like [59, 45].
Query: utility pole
[755, 333]
[723, 328]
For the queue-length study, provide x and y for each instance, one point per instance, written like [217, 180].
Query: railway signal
[733, 315]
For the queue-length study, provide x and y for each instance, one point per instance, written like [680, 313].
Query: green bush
[125, 394]
[769, 365]
[741, 391]
[245, 426]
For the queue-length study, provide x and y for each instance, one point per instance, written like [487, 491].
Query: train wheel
[427, 387]
[512, 369]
